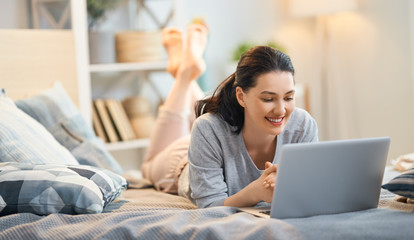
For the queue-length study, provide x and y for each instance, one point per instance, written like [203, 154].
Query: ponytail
[224, 103]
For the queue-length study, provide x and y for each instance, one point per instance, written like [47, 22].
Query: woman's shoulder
[212, 122]
[301, 118]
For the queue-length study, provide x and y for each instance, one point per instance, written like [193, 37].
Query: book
[120, 119]
[97, 124]
[106, 120]
[126, 121]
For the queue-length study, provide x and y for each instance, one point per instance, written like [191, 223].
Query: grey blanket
[147, 214]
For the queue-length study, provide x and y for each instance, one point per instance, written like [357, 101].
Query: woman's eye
[289, 99]
[267, 99]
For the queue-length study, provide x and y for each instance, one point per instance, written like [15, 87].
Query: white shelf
[126, 145]
[139, 66]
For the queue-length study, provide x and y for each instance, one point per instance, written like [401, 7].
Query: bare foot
[173, 43]
[192, 62]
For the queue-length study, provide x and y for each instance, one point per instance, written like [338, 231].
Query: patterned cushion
[110, 184]
[23, 139]
[54, 109]
[45, 189]
[402, 185]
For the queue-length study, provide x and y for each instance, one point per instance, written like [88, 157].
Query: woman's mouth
[275, 121]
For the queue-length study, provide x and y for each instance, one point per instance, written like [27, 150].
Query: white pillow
[23, 139]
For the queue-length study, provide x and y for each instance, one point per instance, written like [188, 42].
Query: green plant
[98, 8]
[243, 47]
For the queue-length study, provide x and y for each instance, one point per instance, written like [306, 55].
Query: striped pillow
[23, 139]
[402, 185]
[54, 109]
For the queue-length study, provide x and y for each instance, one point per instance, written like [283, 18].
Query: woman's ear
[240, 96]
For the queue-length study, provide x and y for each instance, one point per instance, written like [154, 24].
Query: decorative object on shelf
[138, 110]
[41, 11]
[101, 47]
[97, 9]
[138, 46]
[101, 43]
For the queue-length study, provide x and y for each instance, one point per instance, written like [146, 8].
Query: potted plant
[242, 48]
[101, 43]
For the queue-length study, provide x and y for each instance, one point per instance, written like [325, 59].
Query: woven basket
[143, 125]
[138, 110]
[138, 46]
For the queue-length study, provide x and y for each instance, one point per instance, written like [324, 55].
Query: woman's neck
[261, 147]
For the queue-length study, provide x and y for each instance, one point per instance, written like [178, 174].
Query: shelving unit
[125, 149]
[119, 67]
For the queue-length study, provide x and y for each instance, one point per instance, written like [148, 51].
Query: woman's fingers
[269, 169]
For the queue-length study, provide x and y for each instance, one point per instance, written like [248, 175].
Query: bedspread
[148, 214]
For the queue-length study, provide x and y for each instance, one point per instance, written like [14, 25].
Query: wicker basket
[138, 110]
[138, 46]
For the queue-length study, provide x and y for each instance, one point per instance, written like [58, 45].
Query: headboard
[31, 60]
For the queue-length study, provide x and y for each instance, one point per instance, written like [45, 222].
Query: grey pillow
[23, 139]
[55, 110]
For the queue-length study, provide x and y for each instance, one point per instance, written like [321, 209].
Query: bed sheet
[149, 214]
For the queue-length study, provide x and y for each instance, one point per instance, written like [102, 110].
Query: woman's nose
[279, 109]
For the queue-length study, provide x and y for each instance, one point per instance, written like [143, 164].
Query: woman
[239, 129]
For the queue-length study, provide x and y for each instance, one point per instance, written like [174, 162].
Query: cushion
[54, 109]
[403, 184]
[45, 191]
[23, 139]
[110, 183]
[51, 188]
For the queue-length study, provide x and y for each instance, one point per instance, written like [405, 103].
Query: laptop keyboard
[267, 212]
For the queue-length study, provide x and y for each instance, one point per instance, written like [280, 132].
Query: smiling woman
[235, 140]
[231, 156]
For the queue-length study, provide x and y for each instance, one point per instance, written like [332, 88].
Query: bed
[138, 211]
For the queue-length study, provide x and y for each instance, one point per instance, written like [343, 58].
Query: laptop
[327, 178]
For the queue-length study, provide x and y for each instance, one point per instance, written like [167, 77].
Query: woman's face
[269, 105]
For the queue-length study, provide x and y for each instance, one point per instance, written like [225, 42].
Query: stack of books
[110, 121]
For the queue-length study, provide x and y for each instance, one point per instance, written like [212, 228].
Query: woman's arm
[208, 181]
[255, 192]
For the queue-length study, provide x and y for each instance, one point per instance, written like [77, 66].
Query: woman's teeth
[275, 120]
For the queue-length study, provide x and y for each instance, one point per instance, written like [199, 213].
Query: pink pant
[166, 155]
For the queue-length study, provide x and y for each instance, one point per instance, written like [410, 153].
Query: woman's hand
[270, 180]
[266, 181]
[256, 191]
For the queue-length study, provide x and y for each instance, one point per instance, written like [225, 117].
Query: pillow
[110, 184]
[45, 189]
[23, 139]
[56, 111]
[402, 185]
